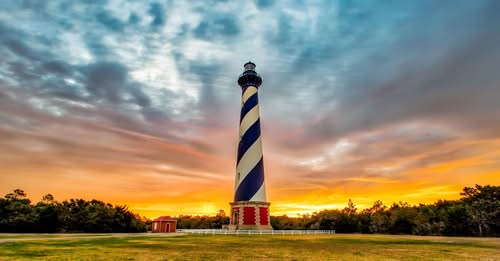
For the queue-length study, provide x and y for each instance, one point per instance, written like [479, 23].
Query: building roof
[165, 218]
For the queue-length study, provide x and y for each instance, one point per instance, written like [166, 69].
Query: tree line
[18, 215]
[203, 222]
[477, 213]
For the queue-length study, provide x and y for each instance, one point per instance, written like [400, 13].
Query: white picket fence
[256, 232]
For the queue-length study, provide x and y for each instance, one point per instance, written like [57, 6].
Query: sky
[136, 102]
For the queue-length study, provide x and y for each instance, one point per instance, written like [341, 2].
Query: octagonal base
[250, 215]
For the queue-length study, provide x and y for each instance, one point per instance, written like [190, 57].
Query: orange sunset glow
[137, 108]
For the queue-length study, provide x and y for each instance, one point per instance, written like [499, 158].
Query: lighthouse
[250, 210]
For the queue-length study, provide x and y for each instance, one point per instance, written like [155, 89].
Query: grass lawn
[45, 235]
[232, 247]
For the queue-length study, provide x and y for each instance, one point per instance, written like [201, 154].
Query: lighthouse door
[235, 217]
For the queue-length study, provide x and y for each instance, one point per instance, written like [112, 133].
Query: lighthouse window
[238, 176]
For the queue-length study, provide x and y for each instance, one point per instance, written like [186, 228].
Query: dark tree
[483, 207]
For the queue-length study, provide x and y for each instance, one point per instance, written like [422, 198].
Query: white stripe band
[249, 91]
[250, 118]
[249, 160]
[260, 195]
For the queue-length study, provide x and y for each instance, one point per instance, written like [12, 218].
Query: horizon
[138, 104]
[317, 209]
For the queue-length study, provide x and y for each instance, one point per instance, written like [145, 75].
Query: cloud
[110, 81]
[406, 73]
[355, 96]
[156, 10]
[217, 26]
[264, 3]
[109, 21]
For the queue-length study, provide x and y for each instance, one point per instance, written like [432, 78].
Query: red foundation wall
[263, 216]
[248, 216]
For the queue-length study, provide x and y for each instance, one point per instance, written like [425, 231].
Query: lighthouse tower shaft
[250, 163]
[250, 209]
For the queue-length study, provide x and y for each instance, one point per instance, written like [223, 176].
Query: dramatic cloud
[136, 102]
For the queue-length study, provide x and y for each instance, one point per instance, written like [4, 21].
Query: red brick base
[247, 215]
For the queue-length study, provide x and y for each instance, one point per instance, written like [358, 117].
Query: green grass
[46, 235]
[245, 247]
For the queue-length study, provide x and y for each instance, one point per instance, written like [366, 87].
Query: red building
[164, 224]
